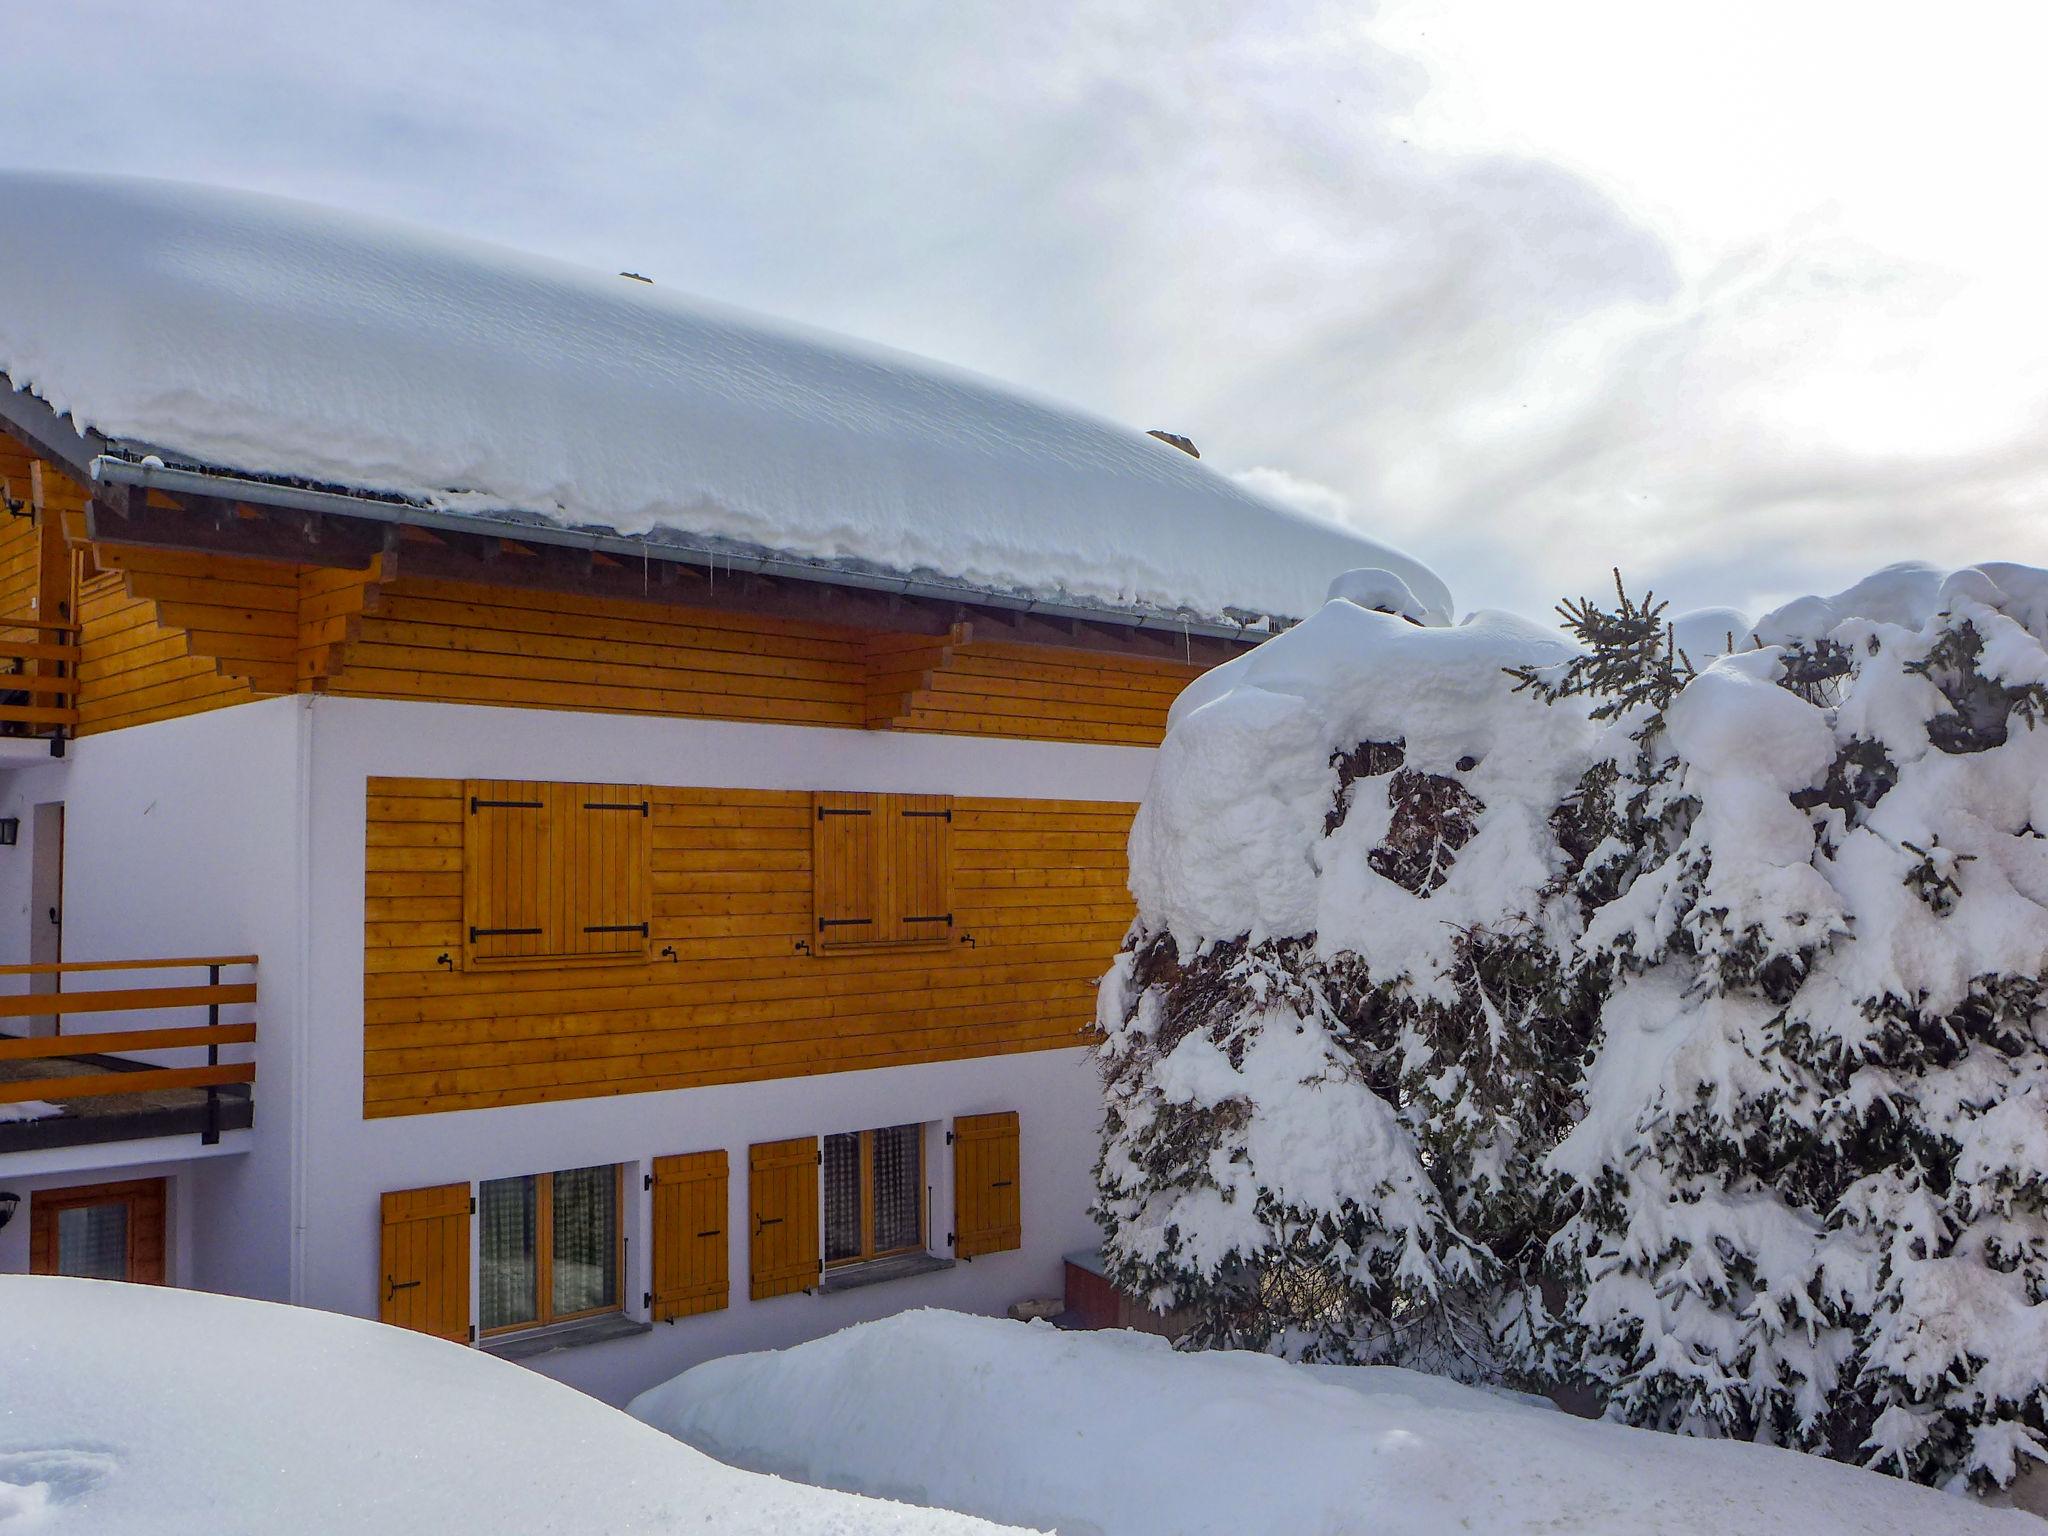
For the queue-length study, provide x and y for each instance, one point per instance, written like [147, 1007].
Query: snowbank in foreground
[138, 1411]
[1118, 1434]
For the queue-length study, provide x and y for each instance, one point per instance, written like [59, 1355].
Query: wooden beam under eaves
[490, 558]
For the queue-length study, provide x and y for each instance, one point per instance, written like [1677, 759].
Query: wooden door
[100, 1231]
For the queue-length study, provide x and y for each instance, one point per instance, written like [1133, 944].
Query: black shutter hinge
[616, 805]
[639, 928]
[834, 810]
[498, 933]
[647, 1181]
[476, 805]
[949, 1142]
[932, 815]
[647, 1299]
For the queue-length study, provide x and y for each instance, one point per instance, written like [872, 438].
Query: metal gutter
[114, 470]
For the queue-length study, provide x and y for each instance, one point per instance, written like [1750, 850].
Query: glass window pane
[899, 1188]
[842, 1196]
[506, 1244]
[586, 1239]
[92, 1241]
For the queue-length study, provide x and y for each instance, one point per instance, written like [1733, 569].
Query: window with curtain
[874, 1193]
[549, 1247]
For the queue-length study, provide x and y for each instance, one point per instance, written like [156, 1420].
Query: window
[874, 1194]
[555, 873]
[881, 871]
[551, 1246]
[99, 1231]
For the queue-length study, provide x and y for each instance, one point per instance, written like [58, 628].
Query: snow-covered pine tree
[1692, 1282]
[1810, 1180]
[1341, 1036]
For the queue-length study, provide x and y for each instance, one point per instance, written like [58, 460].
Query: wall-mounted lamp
[10, 831]
[8, 1201]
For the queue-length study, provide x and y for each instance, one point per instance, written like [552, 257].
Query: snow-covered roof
[269, 337]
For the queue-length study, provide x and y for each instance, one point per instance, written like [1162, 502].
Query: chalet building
[571, 819]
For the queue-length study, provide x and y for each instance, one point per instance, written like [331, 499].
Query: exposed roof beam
[48, 435]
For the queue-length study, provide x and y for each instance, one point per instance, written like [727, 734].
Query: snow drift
[1116, 1434]
[273, 337]
[142, 1411]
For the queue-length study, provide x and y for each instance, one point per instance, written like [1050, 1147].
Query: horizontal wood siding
[134, 669]
[169, 634]
[503, 645]
[990, 689]
[1038, 886]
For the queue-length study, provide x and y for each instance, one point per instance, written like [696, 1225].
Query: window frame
[544, 1255]
[866, 1194]
[133, 1195]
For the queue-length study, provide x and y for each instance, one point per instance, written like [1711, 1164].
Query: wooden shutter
[602, 843]
[509, 910]
[690, 1253]
[987, 1206]
[782, 1208]
[844, 876]
[424, 1284]
[916, 897]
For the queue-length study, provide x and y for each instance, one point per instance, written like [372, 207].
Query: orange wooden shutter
[425, 1280]
[916, 897]
[689, 1235]
[782, 1205]
[987, 1206]
[602, 843]
[844, 874]
[510, 909]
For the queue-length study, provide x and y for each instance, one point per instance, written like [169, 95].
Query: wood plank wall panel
[990, 689]
[1037, 884]
[18, 566]
[133, 668]
[470, 644]
[183, 633]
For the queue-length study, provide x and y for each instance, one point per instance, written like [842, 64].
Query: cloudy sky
[1746, 299]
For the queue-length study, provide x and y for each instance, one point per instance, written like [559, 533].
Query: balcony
[88, 1055]
[38, 683]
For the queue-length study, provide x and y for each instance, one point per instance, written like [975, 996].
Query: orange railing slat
[31, 1005]
[65, 967]
[40, 1047]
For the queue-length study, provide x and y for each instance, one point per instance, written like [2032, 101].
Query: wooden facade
[170, 632]
[722, 940]
[735, 987]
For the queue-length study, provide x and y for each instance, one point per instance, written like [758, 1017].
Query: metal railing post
[211, 1135]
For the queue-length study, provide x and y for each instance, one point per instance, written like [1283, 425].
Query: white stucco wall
[242, 830]
[350, 1162]
[181, 839]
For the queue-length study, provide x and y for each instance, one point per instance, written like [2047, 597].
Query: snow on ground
[143, 1411]
[275, 337]
[1115, 1434]
[29, 1109]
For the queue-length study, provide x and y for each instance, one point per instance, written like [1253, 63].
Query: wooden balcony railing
[101, 1058]
[38, 681]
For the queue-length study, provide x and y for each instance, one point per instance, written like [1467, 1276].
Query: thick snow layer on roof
[274, 337]
[1117, 1433]
[142, 1411]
